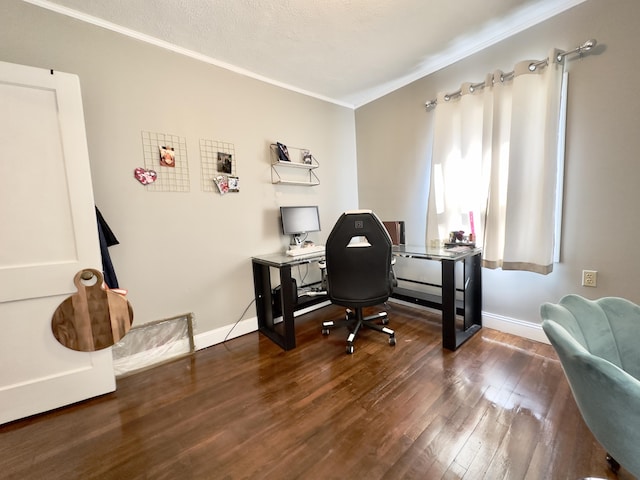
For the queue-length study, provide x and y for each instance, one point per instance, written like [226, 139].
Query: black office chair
[359, 273]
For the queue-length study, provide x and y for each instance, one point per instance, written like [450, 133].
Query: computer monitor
[297, 221]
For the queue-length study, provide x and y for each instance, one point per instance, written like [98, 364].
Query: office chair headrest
[356, 212]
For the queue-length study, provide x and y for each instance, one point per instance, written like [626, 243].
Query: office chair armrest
[392, 274]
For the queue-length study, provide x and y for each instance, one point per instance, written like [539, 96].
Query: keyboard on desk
[311, 250]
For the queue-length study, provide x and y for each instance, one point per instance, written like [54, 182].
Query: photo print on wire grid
[218, 162]
[166, 154]
[227, 183]
[225, 163]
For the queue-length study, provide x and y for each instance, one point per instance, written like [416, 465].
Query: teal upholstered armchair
[598, 342]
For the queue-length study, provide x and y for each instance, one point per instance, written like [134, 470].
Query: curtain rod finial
[585, 47]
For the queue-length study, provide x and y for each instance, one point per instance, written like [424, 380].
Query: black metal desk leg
[288, 307]
[262, 289]
[264, 306]
[473, 292]
[449, 304]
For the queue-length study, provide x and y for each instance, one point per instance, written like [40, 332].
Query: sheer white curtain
[495, 163]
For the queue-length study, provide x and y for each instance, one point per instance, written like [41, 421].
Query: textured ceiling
[346, 51]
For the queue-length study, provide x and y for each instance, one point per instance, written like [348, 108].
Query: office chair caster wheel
[325, 331]
[385, 321]
[350, 349]
[392, 340]
[613, 465]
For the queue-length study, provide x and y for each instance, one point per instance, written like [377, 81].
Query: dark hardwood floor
[497, 408]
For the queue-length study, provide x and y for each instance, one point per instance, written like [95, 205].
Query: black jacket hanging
[107, 239]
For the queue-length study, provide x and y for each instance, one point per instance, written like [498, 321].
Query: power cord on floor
[238, 321]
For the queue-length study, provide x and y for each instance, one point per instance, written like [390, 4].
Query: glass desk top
[422, 251]
[281, 259]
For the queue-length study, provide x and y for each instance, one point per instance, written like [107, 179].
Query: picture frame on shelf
[307, 157]
[283, 152]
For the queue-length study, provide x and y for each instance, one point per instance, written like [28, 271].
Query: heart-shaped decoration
[145, 176]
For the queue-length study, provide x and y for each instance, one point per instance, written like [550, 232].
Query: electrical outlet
[589, 278]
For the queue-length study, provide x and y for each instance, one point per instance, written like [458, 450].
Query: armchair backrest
[358, 255]
[608, 327]
[596, 341]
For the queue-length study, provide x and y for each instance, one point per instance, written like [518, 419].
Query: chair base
[613, 464]
[355, 321]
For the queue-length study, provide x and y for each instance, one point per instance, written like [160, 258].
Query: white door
[48, 233]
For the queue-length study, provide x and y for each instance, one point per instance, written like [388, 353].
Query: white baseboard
[521, 328]
[249, 325]
[513, 326]
[219, 335]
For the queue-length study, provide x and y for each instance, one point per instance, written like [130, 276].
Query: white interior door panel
[48, 233]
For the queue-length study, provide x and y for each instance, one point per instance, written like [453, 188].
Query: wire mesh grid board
[217, 158]
[167, 155]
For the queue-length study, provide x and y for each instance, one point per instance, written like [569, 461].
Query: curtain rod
[585, 47]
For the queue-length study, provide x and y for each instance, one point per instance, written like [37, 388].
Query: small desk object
[469, 307]
[282, 333]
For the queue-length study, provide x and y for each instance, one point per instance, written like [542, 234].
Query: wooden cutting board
[94, 318]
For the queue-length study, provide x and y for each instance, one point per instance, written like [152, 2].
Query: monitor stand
[296, 241]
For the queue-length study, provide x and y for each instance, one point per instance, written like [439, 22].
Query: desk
[283, 333]
[469, 308]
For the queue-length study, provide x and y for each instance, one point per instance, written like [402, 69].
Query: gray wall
[602, 175]
[189, 252]
[186, 252]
